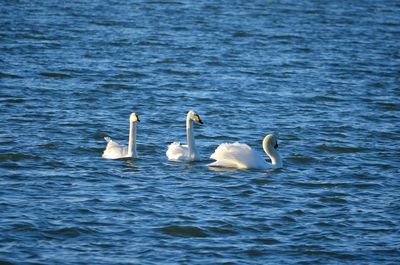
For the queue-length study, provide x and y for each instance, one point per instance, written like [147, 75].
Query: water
[324, 75]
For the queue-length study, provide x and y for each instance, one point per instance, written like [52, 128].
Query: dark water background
[324, 75]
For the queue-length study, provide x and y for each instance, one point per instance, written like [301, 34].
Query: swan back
[241, 156]
[237, 155]
[178, 152]
[114, 150]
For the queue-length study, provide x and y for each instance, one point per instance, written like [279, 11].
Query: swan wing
[178, 152]
[114, 150]
[237, 155]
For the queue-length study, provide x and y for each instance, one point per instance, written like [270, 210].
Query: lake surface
[323, 75]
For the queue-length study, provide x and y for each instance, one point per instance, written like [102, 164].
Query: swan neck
[273, 154]
[190, 136]
[132, 140]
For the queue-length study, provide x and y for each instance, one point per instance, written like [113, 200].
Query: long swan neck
[273, 154]
[132, 140]
[190, 135]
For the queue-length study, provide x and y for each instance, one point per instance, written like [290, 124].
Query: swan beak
[137, 118]
[197, 118]
[276, 146]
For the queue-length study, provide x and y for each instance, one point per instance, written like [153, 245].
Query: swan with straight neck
[179, 152]
[115, 151]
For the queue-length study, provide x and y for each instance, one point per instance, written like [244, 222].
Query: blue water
[323, 75]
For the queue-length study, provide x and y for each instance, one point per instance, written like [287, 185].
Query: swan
[241, 156]
[178, 152]
[115, 151]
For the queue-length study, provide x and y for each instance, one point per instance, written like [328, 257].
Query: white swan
[241, 156]
[114, 150]
[178, 152]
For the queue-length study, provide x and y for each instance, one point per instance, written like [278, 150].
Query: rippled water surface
[323, 75]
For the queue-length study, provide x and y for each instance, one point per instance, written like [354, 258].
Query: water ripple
[322, 76]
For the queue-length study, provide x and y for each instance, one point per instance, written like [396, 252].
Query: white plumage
[115, 150]
[237, 155]
[242, 156]
[184, 153]
[178, 152]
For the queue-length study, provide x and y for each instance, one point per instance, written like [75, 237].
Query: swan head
[271, 140]
[194, 116]
[270, 146]
[134, 117]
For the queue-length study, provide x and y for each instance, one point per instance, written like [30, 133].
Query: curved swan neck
[132, 140]
[273, 154]
[190, 135]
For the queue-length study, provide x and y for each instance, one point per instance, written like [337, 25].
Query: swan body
[242, 156]
[188, 152]
[115, 150]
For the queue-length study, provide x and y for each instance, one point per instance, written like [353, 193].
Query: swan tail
[108, 139]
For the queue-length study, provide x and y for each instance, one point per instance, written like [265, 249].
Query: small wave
[83, 149]
[180, 28]
[24, 226]
[55, 75]
[222, 230]
[324, 224]
[7, 75]
[389, 106]
[321, 185]
[367, 185]
[85, 211]
[298, 212]
[181, 73]
[239, 34]
[47, 145]
[268, 241]
[4, 262]
[103, 245]
[333, 254]
[339, 149]
[12, 100]
[130, 75]
[261, 181]
[214, 63]
[316, 185]
[287, 37]
[118, 86]
[333, 200]
[302, 159]
[18, 157]
[122, 186]
[164, 3]
[254, 252]
[326, 99]
[70, 231]
[184, 231]
[55, 164]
